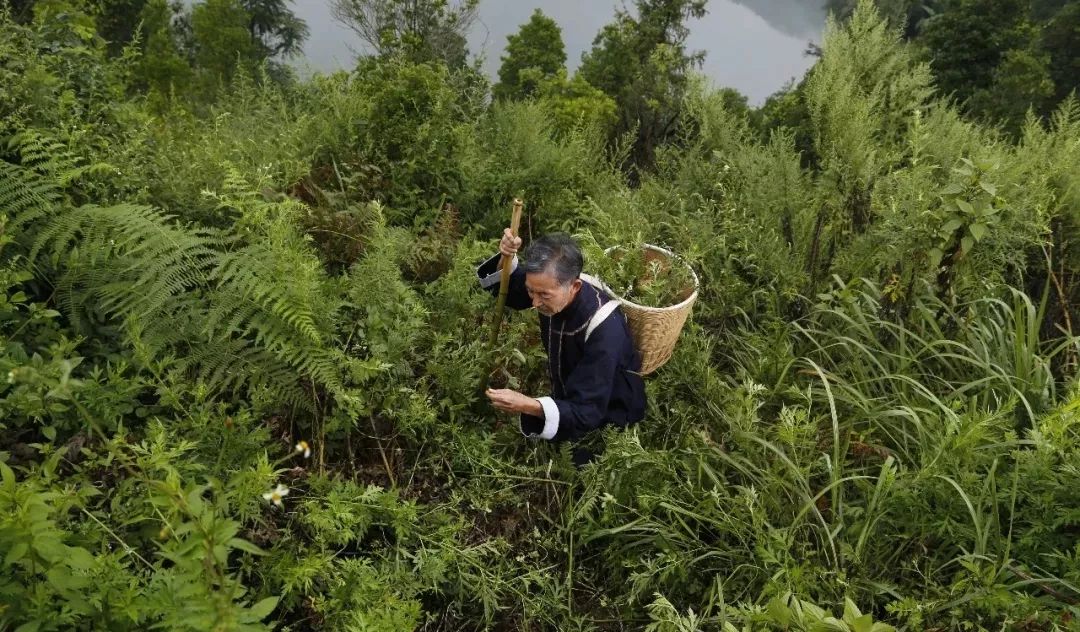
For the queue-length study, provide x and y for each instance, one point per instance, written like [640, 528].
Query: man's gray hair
[557, 254]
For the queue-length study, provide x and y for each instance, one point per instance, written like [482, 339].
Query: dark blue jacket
[593, 382]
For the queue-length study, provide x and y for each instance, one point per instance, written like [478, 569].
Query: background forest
[241, 342]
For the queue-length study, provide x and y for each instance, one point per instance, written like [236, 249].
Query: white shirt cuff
[551, 418]
[496, 276]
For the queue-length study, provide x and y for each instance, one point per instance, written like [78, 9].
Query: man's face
[548, 296]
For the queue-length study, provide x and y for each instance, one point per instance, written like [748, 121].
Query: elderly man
[592, 362]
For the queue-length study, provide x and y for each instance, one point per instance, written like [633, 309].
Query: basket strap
[600, 316]
[591, 280]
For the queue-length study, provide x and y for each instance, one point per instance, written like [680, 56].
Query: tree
[575, 102]
[222, 40]
[1061, 40]
[968, 39]
[1021, 82]
[21, 10]
[161, 69]
[907, 14]
[274, 27]
[642, 63]
[533, 54]
[1045, 10]
[419, 30]
[787, 108]
[75, 17]
[118, 21]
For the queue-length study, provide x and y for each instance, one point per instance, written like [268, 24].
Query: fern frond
[52, 158]
[254, 318]
[24, 197]
[134, 260]
[234, 364]
[233, 316]
[250, 272]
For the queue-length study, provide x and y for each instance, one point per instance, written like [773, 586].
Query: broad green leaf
[244, 545]
[966, 243]
[80, 558]
[263, 609]
[9, 477]
[780, 612]
[865, 623]
[195, 501]
[952, 225]
[988, 187]
[62, 579]
[978, 231]
[184, 529]
[965, 206]
[226, 529]
[851, 611]
[813, 610]
[49, 547]
[16, 553]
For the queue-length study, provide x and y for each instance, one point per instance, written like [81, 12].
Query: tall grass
[886, 452]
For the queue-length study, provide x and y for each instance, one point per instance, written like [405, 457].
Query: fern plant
[213, 301]
[53, 158]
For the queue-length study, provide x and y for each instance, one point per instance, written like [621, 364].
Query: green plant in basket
[638, 273]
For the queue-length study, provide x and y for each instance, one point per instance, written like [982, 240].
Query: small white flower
[275, 495]
[11, 376]
[304, 448]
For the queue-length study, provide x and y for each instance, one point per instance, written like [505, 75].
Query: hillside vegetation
[244, 345]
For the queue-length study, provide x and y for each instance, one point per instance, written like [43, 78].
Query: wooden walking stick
[504, 279]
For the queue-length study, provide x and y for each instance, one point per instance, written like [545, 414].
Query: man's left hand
[511, 401]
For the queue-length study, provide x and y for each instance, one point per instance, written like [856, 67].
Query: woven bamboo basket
[656, 329]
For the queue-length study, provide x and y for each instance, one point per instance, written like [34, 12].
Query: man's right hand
[509, 244]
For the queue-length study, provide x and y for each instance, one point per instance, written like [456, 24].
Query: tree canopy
[420, 30]
[533, 54]
[641, 61]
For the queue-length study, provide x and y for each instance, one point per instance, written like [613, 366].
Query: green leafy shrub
[517, 152]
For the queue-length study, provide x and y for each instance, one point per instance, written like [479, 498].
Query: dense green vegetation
[210, 267]
[996, 58]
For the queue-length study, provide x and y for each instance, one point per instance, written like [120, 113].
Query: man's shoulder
[596, 284]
